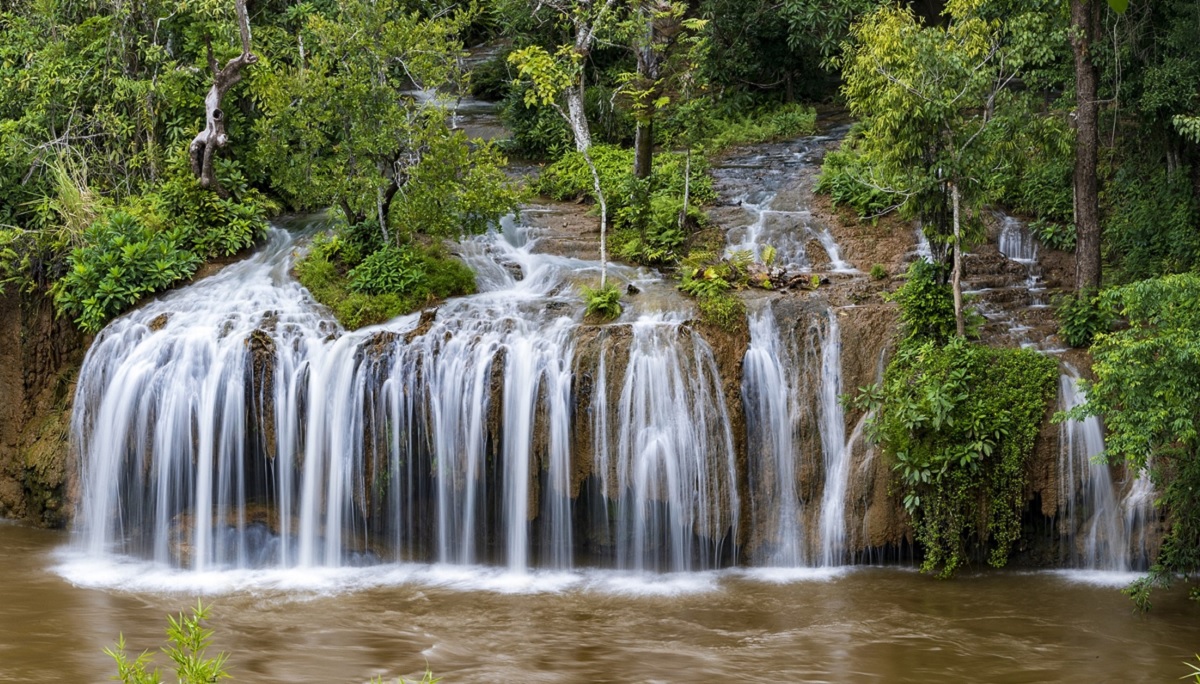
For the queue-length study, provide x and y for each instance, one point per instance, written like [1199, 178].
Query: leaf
[1119, 6]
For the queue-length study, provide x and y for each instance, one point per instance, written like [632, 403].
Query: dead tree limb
[213, 137]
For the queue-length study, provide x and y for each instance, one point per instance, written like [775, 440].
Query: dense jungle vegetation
[140, 139]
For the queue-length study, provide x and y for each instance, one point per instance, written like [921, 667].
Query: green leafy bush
[960, 420]
[848, 179]
[1081, 318]
[1151, 229]
[879, 272]
[602, 302]
[390, 270]
[926, 303]
[386, 283]
[1060, 236]
[570, 179]
[724, 310]
[120, 262]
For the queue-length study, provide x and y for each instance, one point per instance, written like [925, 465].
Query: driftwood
[213, 137]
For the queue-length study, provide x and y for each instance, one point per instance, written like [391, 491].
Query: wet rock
[424, 325]
[159, 322]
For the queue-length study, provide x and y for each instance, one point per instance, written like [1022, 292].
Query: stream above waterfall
[348, 625]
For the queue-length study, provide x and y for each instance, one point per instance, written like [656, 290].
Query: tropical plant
[187, 646]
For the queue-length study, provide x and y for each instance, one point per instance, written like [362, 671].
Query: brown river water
[58, 613]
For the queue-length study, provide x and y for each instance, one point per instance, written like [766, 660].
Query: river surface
[58, 612]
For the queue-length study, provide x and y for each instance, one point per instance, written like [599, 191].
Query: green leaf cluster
[960, 420]
[1081, 317]
[187, 647]
[603, 303]
[365, 282]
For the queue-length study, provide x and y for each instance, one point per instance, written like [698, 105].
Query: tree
[1085, 24]
[560, 77]
[928, 94]
[348, 120]
[214, 137]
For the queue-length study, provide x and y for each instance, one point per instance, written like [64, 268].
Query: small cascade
[1096, 533]
[1104, 529]
[791, 388]
[771, 419]
[833, 447]
[1018, 244]
[773, 189]
[674, 463]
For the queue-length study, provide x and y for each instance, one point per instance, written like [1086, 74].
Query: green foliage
[121, 262]
[1147, 389]
[1152, 226]
[1082, 317]
[646, 213]
[1060, 236]
[715, 131]
[960, 420]
[926, 304]
[722, 309]
[847, 177]
[364, 287]
[878, 272]
[603, 303]
[187, 646]
[569, 178]
[390, 270]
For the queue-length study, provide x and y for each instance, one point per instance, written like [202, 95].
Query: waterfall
[675, 462]
[232, 424]
[833, 447]
[787, 394]
[1102, 530]
[768, 398]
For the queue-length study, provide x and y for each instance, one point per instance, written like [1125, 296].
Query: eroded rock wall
[39, 362]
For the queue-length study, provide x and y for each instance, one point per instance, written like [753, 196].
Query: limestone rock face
[39, 361]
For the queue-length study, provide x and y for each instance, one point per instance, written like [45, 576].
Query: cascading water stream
[1103, 530]
[1097, 538]
[232, 424]
[833, 446]
[786, 393]
[769, 399]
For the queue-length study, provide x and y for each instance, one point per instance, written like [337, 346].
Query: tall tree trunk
[956, 280]
[1085, 19]
[643, 143]
[213, 137]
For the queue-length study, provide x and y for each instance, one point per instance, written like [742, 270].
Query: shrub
[1151, 228]
[723, 310]
[879, 272]
[187, 646]
[602, 302]
[960, 420]
[926, 303]
[120, 262]
[1060, 236]
[847, 178]
[1081, 318]
[389, 282]
[389, 270]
